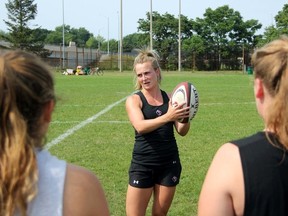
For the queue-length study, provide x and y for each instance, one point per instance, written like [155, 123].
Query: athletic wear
[158, 147]
[155, 158]
[265, 170]
[147, 176]
[49, 200]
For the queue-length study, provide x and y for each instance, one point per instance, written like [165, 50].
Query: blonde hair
[270, 65]
[26, 85]
[147, 55]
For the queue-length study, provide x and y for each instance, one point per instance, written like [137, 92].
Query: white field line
[125, 122]
[82, 124]
[91, 119]
[232, 103]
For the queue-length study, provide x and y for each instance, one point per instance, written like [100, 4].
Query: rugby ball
[186, 92]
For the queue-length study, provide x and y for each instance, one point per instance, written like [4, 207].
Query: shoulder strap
[165, 96]
[142, 97]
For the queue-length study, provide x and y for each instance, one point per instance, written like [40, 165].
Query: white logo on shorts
[174, 179]
[135, 182]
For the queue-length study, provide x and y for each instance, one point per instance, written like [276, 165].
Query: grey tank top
[49, 200]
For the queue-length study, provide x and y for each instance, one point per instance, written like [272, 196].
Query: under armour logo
[174, 178]
[158, 112]
[135, 182]
[174, 162]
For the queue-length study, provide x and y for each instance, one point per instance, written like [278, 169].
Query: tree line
[219, 40]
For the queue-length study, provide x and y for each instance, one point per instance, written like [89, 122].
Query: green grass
[226, 111]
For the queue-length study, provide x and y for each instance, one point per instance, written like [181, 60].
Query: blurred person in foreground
[155, 167]
[32, 181]
[249, 176]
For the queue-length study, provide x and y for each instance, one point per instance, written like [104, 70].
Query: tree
[56, 37]
[41, 33]
[92, 42]
[113, 46]
[80, 36]
[135, 41]
[100, 40]
[20, 12]
[225, 33]
[270, 33]
[191, 48]
[281, 20]
[3, 35]
[274, 31]
[165, 35]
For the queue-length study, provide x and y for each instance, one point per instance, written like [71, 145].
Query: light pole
[151, 40]
[179, 38]
[121, 37]
[63, 36]
[118, 41]
[108, 46]
[99, 40]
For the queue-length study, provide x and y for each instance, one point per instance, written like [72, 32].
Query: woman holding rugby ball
[155, 166]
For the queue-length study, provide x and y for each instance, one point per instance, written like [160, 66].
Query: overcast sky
[97, 15]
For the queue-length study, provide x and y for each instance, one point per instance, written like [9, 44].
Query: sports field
[90, 128]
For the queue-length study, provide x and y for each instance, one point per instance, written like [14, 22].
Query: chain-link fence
[72, 56]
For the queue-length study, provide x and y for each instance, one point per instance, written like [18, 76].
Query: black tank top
[158, 147]
[265, 170]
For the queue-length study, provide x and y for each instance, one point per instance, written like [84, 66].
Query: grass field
[90, 128]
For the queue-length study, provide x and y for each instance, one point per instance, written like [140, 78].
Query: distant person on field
[249, 176]
[155, 167]
[79, 70]
[32, 181]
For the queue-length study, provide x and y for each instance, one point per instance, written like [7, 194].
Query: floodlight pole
[179, 38]
[108, 46]
[63, 37]
[121, 37]
[151, 36]
[99, 46]
[118, 41]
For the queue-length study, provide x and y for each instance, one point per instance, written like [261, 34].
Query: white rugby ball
[185, 92]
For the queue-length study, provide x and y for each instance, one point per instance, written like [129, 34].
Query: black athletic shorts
[147, 176]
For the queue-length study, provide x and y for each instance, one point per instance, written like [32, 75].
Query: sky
[103, 17]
